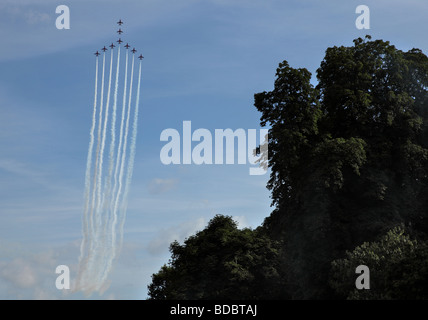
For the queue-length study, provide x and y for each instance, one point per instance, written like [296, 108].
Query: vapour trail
[103, 139]
[108, 183]
[118, 193]
[125, 140]
[91, 256]
[94, 187]
[113, 127]
[111, 221]
[106, 189]
[132, 151]
[119, 150]
[88, 167]
[88, 222]
[101, 212]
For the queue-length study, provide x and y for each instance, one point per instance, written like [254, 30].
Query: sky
[204, 61]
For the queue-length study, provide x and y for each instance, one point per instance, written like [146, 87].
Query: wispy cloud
[33, 17]
[29, 271]
[160, 243]
[19, 273]
[35, 33]
[158, 186]
[17, 168]
[19, 11]
[179, 232]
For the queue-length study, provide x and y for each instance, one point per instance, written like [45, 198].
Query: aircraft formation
[110, 162]
[127, 46]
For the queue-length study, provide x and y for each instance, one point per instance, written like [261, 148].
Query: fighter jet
[119, 31]
[133, 50]
[112, 45]
[119, 41]
[141, 57]
[127, 46]
[120, 22]
[104, 49]
[97, 53]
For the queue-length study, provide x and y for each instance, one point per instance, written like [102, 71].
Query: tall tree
[221, 262]
[348, 157]
[349, 161]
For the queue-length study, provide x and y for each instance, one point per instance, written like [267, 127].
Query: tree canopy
[348, 156]
[349, 163]
[398, 269]
[220, 262]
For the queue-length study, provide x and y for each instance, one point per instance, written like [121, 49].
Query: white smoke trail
[108, 250]
[85, 220]
[89, 257]
[106, 190]
[97, 159]
[108, 184]
[119, 150]
[132, 151]
[125, 140]
[100, 209]
[133, 140]
[113, 127]
[117, 195]
[103, 139]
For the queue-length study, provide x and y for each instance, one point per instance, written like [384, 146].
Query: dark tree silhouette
[348, 157]
[349, 162]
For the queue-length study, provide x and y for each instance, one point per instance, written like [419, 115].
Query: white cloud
[28, 272]
[180, 232]
[241, 221]
[34, 17]
[31, 13]
[19, 272]
[35, 33]
[22, 169]
[157, 186]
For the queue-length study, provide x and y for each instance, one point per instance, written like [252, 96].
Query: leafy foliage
[349, 161]
[220, 262]
[348, 157]
[293, 111]
[398, 268]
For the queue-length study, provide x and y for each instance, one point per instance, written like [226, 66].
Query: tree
[220, 262]
[348, 157]
[398, 268]
[349, 161]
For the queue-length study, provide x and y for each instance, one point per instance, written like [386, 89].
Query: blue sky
[204, 60]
